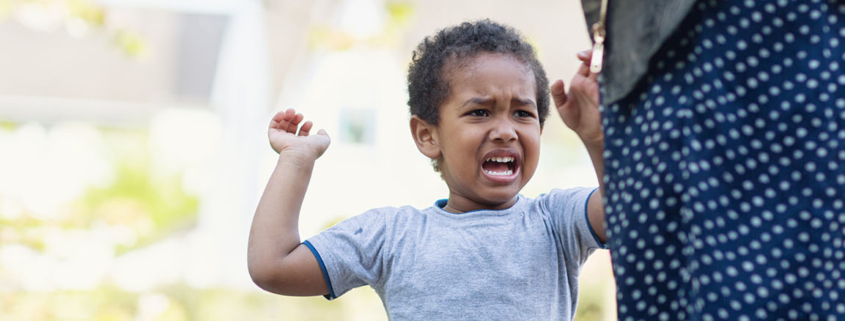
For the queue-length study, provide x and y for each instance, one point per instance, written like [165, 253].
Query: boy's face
[488, 132]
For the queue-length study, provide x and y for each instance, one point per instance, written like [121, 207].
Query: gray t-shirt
[520, 263]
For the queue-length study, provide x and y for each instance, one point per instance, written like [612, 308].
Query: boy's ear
[426, 137]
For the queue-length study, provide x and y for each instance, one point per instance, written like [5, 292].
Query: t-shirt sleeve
[568, 212]
[350, 253]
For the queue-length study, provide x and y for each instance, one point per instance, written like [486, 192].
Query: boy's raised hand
[285, 138]
[579, 108]
[276, 259]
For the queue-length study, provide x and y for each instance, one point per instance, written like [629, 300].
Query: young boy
[478, 98]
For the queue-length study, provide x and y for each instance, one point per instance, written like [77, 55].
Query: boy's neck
[458, 208]
[449, 209]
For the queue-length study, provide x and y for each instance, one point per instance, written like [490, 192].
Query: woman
[724, 127]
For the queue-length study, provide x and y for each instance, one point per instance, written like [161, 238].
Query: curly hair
[428, 87]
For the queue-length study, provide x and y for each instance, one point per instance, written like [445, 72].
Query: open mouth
[499, 165]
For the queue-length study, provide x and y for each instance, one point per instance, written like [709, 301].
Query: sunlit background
[133, 144]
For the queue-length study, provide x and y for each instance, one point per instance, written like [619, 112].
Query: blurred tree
[399, 15]
[77, 17]
[150, 204]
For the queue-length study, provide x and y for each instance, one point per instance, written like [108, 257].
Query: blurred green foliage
[591, 304]
[142, 198]
[5, 9]
[88, 12]
[7, 125]
[152, 209]
[131, 42]
[400, 13]
[150, 203]
[399, 16]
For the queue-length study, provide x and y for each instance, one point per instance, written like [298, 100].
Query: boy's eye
[522, 113]
[478, 112]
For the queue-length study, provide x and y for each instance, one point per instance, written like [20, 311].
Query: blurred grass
[178, 302]
[183, 303]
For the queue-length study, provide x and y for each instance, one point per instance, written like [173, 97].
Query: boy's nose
[503, 131]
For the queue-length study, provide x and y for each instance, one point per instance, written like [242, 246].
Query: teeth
[507, 159]
[508, 173]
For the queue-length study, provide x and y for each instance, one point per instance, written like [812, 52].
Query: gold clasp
[598, 48]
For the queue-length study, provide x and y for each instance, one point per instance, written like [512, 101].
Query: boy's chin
[499, 199]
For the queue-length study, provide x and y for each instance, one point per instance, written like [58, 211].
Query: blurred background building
[133, 144]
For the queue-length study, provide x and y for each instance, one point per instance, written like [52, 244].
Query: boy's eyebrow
[524, 101]
[489, 100]
[478, 101]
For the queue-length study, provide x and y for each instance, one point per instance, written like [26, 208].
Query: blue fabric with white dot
[725, 168]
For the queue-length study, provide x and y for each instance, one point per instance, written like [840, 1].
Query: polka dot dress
[725, 168]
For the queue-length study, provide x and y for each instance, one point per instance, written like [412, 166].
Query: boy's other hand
[579, 108]
[284, 137]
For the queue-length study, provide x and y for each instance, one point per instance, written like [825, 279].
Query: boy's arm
[579, 111]
[277, 261]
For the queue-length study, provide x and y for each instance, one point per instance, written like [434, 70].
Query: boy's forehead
[464, 64]
[462, 71]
